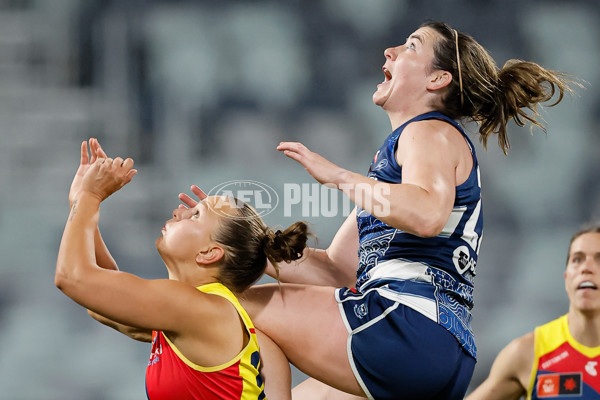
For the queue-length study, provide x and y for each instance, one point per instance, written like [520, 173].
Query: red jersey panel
[563, 368]
[171, 376]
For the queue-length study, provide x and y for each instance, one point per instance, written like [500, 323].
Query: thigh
[312, 389]
[306, 324]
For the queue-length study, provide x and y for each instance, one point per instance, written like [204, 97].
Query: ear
[210, 255]
[438, 80]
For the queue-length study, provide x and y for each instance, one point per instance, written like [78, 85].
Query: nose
[390, 53]
[589, 265]
[178, 213]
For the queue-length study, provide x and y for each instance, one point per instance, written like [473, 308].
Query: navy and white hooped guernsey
[433, 276]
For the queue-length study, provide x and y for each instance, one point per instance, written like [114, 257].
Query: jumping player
[384, 312]
[204, 345]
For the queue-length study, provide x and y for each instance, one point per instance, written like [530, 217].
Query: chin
[378, 100]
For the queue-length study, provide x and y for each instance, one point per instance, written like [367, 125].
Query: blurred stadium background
[201, 92]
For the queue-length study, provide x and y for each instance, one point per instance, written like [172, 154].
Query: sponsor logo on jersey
[590, 368]
[559, 385]
[462, 260]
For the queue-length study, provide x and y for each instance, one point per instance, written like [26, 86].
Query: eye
[196, 214]
[410, 46]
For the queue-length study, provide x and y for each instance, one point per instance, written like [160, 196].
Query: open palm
[87, 159]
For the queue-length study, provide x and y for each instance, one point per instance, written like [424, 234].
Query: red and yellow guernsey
[563, 368]
[170, 375]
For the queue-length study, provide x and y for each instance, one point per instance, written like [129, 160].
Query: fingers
[198, 192]
[85, 158]
[96, 150]
[187, 200]
[293, 146]
[130, 175]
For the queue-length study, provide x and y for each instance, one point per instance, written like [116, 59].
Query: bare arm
[510, 372]
[118, 296]
[429, 154]
[336, 266]
[103, 257]
[139, 334]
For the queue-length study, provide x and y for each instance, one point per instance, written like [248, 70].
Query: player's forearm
[76, 253]
[314, 268]
[139, 334]
[403, 206]
[103, 257]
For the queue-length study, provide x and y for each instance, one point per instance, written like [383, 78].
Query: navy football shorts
[397, 353]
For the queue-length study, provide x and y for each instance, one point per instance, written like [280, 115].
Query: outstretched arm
[336, 266]
[428, 153]
[103, 257]
[510, 372]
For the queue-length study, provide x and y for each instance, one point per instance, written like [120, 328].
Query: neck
[585, 327]
[192, 273]
[398, 118]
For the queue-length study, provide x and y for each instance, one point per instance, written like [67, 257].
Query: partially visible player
[204, 345]
[558, 360]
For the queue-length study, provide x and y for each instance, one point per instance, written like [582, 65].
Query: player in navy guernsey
[384, 312]
[436, 272]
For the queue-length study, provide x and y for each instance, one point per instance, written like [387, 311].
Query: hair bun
[287, 245]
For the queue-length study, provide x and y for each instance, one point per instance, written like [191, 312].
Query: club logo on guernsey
[155, 355]
[361, 310]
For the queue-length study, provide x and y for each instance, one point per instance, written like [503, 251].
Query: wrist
[87, 196]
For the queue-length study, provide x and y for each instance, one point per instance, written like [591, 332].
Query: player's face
[406, 70]
[582, 275]
[189, 231]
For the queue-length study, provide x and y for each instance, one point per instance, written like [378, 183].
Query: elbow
[426, 226]
[64, 280]
[60, 281]
[428, 229]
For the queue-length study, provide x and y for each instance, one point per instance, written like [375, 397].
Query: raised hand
[105, 176]
[320, 168]
[86, 160]
[188, 201]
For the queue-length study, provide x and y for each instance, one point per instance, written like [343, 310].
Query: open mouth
[387, 74]
[587, 285]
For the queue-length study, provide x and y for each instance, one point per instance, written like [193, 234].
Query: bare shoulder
[516, 359]
[433, 136]
[509, 375]
[213, 333]
[522, 348]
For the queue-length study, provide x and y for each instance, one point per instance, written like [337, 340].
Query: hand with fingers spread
[323, 170]
[86, 160]
[188, 201]
[106, 175]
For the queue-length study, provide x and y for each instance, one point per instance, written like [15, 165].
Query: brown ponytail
[249, 243]
[492, 96]
[287, 245]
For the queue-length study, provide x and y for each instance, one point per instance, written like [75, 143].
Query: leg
[312, 389]
[306, 324]
[275, 369]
